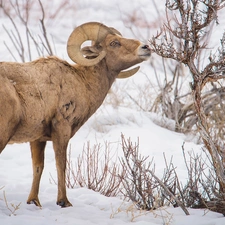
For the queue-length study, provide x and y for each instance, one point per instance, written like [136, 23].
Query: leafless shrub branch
[12, 208]
[21, 12]
[191, 23]
[95, 170]
[202, 189]
[142, 186]
[47, 46]
[148, 191]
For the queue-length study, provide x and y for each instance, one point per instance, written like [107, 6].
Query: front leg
[60, 138]
[37, 152]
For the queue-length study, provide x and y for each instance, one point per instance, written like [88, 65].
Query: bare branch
[48, 47]
[182, 41]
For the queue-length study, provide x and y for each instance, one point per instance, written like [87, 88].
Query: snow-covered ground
[106, 125]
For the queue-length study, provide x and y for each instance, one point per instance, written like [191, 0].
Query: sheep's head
[120, 53]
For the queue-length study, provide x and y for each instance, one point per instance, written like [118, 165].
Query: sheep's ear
[91, 51]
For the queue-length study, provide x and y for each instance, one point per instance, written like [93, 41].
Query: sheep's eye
[115, 43]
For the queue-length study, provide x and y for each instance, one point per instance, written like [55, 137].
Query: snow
[106, 125]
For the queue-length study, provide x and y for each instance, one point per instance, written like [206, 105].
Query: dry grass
[11, 207]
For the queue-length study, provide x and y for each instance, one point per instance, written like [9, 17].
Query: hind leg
[37, 151]
[8, 127]
[3, 140]
[10, 111]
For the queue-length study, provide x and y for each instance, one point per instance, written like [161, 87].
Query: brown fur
[49, 100]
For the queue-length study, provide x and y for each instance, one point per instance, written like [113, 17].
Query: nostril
[145, 47]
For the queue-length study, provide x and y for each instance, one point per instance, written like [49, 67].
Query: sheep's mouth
[145, 56]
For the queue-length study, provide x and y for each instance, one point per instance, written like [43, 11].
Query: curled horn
[128, 73]
[115, 31]
[89, 31]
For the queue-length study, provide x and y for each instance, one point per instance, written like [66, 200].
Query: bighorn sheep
[49, 99]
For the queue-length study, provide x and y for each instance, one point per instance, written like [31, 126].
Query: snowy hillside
[112, 119]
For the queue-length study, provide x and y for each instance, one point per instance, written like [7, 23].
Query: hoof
[63, 203]
[34, 201]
